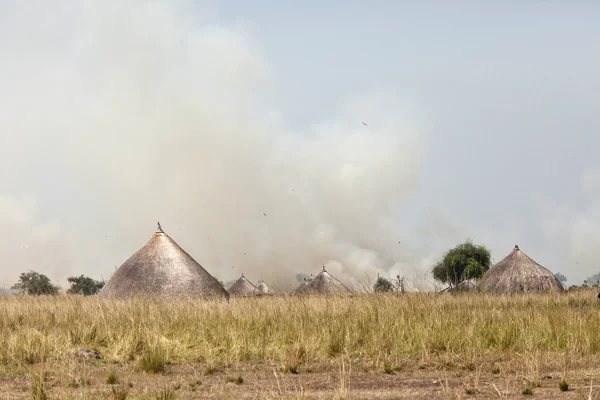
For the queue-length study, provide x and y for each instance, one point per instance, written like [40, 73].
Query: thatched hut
[323, 283]
[517, 273]
[300, 287]
[262, 287]
[242, 287]
[162, 268]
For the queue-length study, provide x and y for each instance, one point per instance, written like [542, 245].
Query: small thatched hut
[462, 287]
[242, 287]
[301, 287]
[323, 283]
[162, 268]
[517, 273]
[262, 287]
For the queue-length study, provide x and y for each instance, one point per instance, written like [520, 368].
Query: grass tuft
[112, 378]
[80, 381]
[238, 380]
[470, 390]
[563, 386]
[210, 369]
[154, 359]
[166, 393]
[528, 391]
[119, 393]
[38, 386]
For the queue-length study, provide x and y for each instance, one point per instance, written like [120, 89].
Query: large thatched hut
[323, 283]
[162, 268]
[242, 287]
[517, 273]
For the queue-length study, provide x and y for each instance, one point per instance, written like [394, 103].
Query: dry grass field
[361, 347]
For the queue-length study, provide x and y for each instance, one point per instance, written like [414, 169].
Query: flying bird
[365, 124]
[264, 214]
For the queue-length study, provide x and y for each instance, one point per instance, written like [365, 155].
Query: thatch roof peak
[518, 273]
[323, 283]
[161, 267]
[242, 287]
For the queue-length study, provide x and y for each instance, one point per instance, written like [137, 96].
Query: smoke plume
[116, 115]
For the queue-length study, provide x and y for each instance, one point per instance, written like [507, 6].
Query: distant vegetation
[383, 285]
[464, 262]
[35, 283]
[84, 285]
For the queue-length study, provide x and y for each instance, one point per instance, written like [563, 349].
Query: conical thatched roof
[518, 273]
[242, 287]
[323, 283]
[262, 287]
[301, 287]
[163, 268]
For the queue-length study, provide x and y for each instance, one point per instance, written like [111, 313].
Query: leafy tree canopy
[84, 285]
[463, 262]
[35, 283]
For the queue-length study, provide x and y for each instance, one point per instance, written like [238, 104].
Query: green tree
[35, 284]
[463, 262]
[383, 285]
[562, 279]
[84, 285]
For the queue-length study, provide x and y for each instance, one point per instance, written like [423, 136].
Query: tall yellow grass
[370, 328]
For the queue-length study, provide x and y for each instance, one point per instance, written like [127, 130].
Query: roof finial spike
[159, 226]
[516, 247]
[242, 274]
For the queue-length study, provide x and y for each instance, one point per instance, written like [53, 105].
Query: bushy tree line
[34, 283]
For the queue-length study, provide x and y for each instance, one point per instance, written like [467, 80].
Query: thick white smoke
[125, 113]
[574, 232]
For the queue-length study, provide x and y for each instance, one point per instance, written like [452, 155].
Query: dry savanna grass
[366, 346]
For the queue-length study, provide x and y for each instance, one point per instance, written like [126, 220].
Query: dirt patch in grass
[337, 379]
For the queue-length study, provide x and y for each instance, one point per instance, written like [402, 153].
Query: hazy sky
[482, 122]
